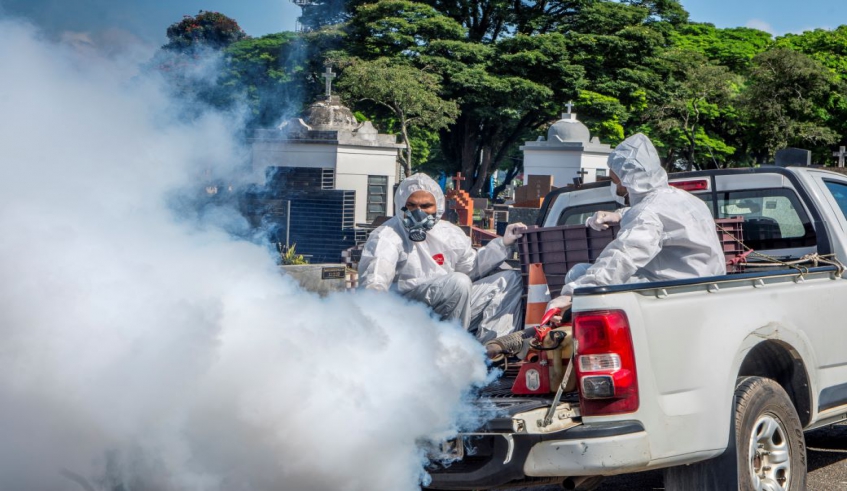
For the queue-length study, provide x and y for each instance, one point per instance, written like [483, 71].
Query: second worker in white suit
[666, 234]
[430, 260]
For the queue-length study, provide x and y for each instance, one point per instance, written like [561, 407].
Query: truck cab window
[839, 193]
[577, 215]
[773, 218]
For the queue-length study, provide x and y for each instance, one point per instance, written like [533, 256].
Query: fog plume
[141, 349]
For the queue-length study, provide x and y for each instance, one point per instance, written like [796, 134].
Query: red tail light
[698, 185]
[605, 363]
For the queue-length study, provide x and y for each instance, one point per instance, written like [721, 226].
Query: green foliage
[507, 89]
[619, 58]
[206, 29]
[789, 99]
[288, 256]
[733, 48]
[398, 27]
[830, 49]
[696, 101]
[466, 82]
[411, 95]
[318, 14]
[827, 47]
[271, 75]
[670, 11]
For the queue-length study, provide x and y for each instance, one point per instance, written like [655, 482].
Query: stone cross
[457, 181]
[582, 173]
[328, 75]
[841, 153]
[569, 105]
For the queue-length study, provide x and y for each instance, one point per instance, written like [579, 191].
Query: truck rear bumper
[578, 451]
[596, 450]
[503, 464]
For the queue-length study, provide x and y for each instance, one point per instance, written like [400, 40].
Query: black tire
[767, 449]
[767, 424]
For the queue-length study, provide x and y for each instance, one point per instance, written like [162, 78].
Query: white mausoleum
[354, 156]
[568, 152]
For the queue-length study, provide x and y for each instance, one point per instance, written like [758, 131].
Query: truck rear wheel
[769, 451]
[769, 437]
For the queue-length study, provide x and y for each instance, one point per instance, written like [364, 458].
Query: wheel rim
[770, 457]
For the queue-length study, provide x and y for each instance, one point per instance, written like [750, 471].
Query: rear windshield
[773, 218]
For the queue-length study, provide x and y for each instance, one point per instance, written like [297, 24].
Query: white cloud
[760, 25]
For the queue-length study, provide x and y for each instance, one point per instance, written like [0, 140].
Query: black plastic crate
[561, 248]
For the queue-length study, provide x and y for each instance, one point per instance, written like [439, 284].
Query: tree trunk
[482, 171]
[469, 153]
[510, 174]
[407, 162]
[669, 158]
[692, 146]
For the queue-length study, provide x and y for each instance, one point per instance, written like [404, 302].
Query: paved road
[827, 454]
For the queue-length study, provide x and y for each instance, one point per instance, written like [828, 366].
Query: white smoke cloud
[138, 351]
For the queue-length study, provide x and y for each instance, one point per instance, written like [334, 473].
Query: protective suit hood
[636, 162]
[418, 182]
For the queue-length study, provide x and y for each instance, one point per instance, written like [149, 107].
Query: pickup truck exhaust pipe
[581, 483]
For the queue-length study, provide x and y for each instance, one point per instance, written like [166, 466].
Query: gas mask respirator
[417, 222]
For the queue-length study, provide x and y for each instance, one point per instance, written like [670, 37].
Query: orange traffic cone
[537, 298]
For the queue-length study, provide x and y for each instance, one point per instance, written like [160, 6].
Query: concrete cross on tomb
[328, 76]
[841, 153]
[457, 181]
[569, 105]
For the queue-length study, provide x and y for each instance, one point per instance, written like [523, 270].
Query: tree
[699, 93]
[205, 30]
[321, 13]
[507, 90]
[273, 74]
[733, 48]
[828, 47]
[192, 60]
[603, 115]
[410, 94]
[504, 88]
[399, 28]
[789, 99]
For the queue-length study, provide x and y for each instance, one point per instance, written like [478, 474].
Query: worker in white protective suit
[666, 234]
[432, 261]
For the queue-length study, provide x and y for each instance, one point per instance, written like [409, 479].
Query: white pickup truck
[715, 379]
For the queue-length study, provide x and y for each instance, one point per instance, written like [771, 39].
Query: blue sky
[775, 16]
[148, 19]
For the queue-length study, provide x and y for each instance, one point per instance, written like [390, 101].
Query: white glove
[602, 220]
[513, 232]
[562, 303]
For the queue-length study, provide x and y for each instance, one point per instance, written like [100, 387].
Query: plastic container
[559, 249]
[731, 234]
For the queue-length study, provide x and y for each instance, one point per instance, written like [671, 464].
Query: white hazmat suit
[666, 234]
[443, 270]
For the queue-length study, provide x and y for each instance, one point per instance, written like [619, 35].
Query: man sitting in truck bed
[432, 261]
[666, 234]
